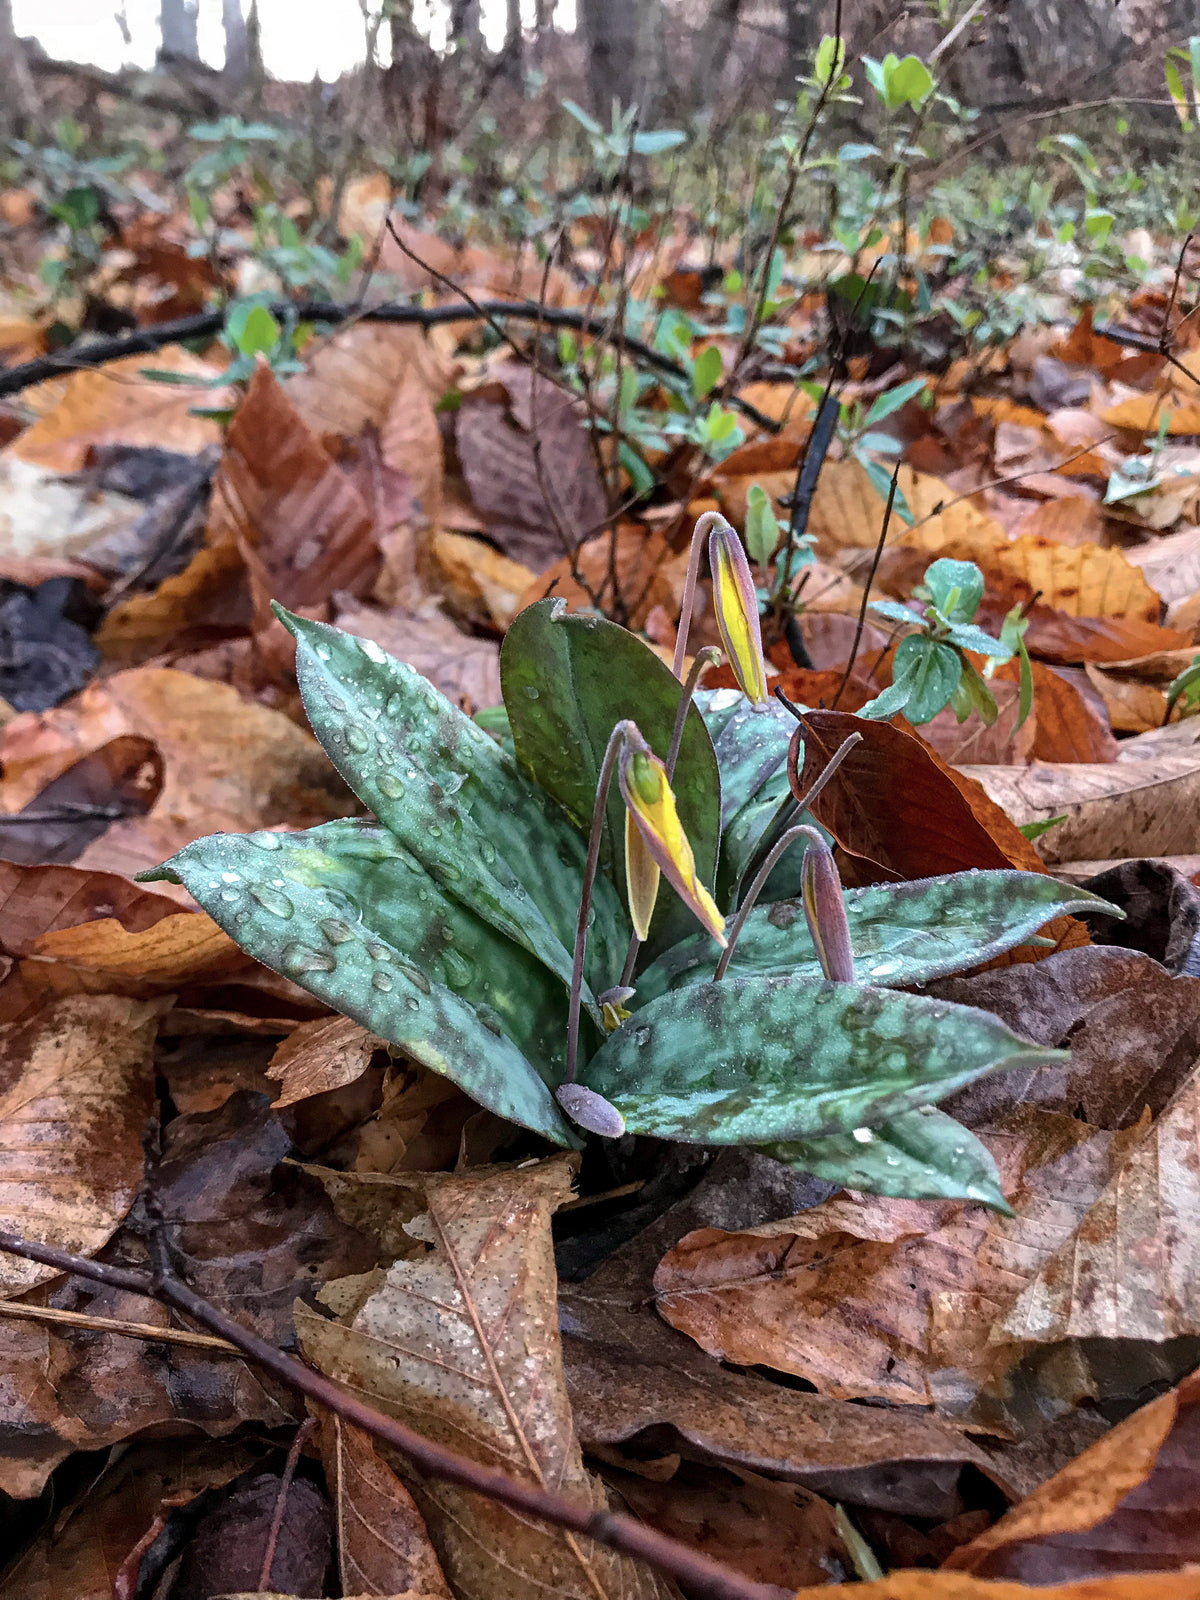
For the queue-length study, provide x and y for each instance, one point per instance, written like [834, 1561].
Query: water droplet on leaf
[273, 900]
[390, 785]
[381, 981]
[372, 651]
[299, 958]
[336, 931]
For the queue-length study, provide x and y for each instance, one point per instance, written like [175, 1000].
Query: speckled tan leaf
[115, 404]
[76, 1087]
[463, 1344]
[185, 948]
[1143, 413]
[1122, 808]
[1132, 1269]
[320, 1056]
[478, 575]
[1084, 580]
[1171, 564]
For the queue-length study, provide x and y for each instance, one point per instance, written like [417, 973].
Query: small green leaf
[908, 82]
[954, 587]
[1035, 830]
[757, 1060]
[920, 1155]
[706, 372]
[968, 637]
[892, 399]
[762, 525]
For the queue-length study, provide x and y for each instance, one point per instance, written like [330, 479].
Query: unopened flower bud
[590, 1111]
[736, 606]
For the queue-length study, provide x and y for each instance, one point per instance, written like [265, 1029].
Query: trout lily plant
[500, 916]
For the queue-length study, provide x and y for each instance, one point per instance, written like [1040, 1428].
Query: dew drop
[372, 651]
[273, 900]
[416, 977]
[449, 872]
[412, 1002]
[334, 701]
[641, 1036]
[336, 931]
[434, 831]
[323, 653]
[378, 952]
[454, 782]
[231, 877]
[230, 896]
[264, 841]
[358, 739]
[381, 981]
[885, 969]
[530, 692]
[488, 851]
[390, 785]
[891, 1161]
[299, 958]
[459, 969]
[864, 1136]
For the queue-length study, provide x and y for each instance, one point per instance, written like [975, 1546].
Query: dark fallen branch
[697, 1572]
[207, 324]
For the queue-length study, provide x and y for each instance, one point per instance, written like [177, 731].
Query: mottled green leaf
[751, 746]
[757, 1060]
[449, 794]
[901, 933]
[919, 1155]
[309, 931]
[567, 681]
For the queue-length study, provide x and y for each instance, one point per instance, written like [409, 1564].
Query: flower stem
[603, 782]
[704, 526]
[801, 830]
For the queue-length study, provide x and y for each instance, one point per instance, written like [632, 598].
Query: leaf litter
[769, 1369]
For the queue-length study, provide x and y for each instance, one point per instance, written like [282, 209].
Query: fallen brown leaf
[1068, 724]
[477, 576]
[228, 763]
[352, 378]
[37, 900]
[464, 1343]
[77, 1089]
[888, 1299]
[647, 575]
[958, 1586]
[115, 404]
[303, 527]
[1134, 808]
[320, 1056]
[121, 779]
[530, 467]
[382, 1544]
[1126, 1505]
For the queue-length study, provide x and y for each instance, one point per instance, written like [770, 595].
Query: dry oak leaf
[921, 1585]
[1082, 580]
[116, 404]
[185, 948]
[464, 1345]
[303, 527]
[382, 1542]
[1122, 809]
[1067, 724]
[1127, 1505]
[209, 590]
[1132, 1270]
[352, 378]
[76, 1087]
[891, 1299]
[475, 574]
[319, 1056]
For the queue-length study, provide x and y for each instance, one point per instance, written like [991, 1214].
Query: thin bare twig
[866, 599]
[698, 1572]
[303, 1434]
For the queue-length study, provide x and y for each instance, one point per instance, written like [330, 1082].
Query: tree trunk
[624, 42]
[177, 25]
[514, 43]
[800, 23]
[19, 108]
[712, 51]
[237, 43]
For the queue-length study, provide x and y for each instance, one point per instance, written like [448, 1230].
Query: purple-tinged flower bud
[825, 913]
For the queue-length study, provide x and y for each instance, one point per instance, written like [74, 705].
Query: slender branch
[611, 751]
[688, 1567]
[866, 599]
[206, 324]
